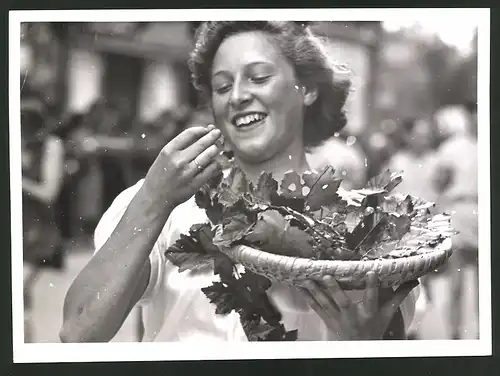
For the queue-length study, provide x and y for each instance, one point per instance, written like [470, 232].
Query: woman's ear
[310, 95]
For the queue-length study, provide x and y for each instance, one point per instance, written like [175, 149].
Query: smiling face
[256, 100]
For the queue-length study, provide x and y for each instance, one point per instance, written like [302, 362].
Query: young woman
[43, 173]
[273, 92]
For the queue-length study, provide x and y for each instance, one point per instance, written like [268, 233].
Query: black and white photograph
[185, 183]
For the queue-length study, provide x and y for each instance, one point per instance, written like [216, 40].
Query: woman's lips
[247, 118]
[250, 127]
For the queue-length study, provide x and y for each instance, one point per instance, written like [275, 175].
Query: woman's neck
[294, 158]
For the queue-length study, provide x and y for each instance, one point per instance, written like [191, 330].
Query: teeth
[245, 120]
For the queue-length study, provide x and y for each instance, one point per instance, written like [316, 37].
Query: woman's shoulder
[109, 220]
[187, 209]
[182, 217]
[125, 197]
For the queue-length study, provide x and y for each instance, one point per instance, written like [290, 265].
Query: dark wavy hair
[307, 54]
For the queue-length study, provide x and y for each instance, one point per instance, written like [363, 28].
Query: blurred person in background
[452, 121]
[456, 181]
[394, 132]
[42, 179]
[150, 137]
[416, 159]
[75, 168]
[87, 192]
[113, 122]
[343, 153]
[106, 142]
[379, 148]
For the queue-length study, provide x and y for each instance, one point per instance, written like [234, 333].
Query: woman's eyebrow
[219, 73]
[247, 66]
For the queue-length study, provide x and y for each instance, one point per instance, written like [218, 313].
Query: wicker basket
[351, 275]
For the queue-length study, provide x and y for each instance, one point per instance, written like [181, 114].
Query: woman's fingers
[206, 156]
[371, 295]
[200, 162]
[318, 308]
[194, 149]
[324, 301]
[314, 304]
[201, 145]
[389, 308]
[205, 174]
[188, 137]
[335, 291]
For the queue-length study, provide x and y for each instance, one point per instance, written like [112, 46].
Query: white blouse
[175, 308]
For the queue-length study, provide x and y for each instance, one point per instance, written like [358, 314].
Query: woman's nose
[240, 96]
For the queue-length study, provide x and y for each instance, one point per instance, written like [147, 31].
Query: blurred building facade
[140, 66]
[402, 79]
[418, 73]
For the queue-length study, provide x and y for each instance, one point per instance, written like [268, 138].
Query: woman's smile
[249, 122]
[248, 118]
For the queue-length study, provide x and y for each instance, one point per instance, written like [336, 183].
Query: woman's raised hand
[183, 166]
[365, 320]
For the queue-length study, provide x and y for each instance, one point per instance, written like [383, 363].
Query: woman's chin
[253, 152]
[253, 156]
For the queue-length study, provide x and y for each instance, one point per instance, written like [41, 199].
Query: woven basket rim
[250, 254]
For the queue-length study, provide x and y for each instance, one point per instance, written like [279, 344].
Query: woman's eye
[259, 79]
[222, 89]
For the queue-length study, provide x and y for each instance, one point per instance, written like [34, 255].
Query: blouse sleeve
[178, 223]
[107, 225]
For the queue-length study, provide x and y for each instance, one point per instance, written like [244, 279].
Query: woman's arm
[52, 173]
[103, 294]
[105, 291]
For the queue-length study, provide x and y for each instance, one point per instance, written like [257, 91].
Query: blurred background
[108, 86]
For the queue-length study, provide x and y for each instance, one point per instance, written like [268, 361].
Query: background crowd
[99, 101]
